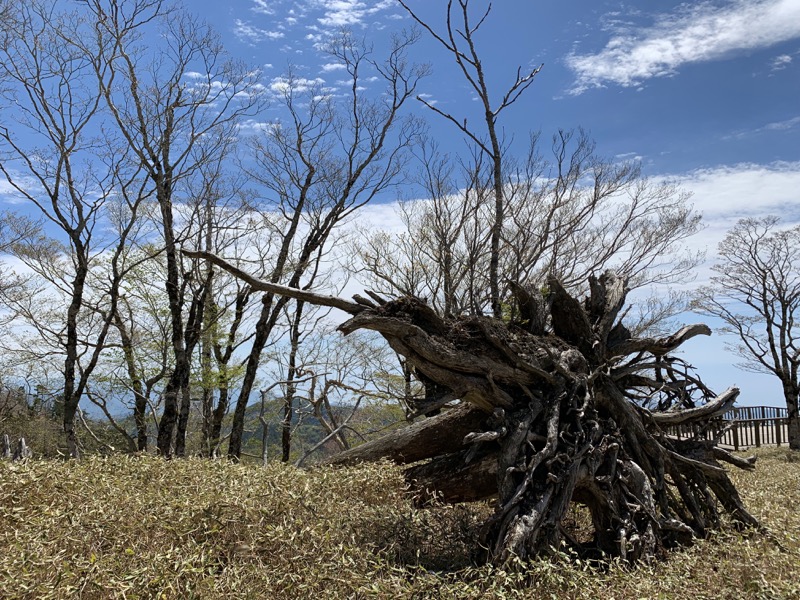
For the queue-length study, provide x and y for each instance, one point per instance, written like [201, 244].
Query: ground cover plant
[139, 527]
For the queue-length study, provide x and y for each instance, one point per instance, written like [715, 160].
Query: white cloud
[731, 192]
[327, 68]
[724, 195]
[281, 85]
[346, 13]
[11, 195]
[728, 193]
[262, 6]
[250, 34]
[252, 126]
[628, 156]
[785, 125]
[698, 33]
[780, 62]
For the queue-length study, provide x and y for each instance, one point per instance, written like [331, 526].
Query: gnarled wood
[576, 414]
[424, 439]
[714, 408]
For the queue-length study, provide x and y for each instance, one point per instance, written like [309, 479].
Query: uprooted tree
[562, 405]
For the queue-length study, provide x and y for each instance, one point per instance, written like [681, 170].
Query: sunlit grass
[145, 528]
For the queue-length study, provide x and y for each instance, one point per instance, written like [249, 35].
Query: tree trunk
[207, 398]
[434, 436]
[580, 414]
[793, 418]
[140, 401]
[71, 395]
[219, 412]
[169, 418]
[183, 419]
[166, 427]
[264, 325]
[291, 385]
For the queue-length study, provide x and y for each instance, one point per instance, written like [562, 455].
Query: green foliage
[139, 527]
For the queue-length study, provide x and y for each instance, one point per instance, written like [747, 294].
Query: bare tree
[52, 160]
[176, 111]
[459, 40]
[328, 159]
[756, 294]
[569, 214]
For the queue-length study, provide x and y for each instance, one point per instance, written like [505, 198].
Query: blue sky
[705, 93]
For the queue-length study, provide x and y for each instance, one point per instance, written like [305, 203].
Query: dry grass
[144, 528]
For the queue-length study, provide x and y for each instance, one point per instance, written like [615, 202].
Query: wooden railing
[743, 427]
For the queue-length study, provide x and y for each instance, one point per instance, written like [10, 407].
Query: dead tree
[561, 406]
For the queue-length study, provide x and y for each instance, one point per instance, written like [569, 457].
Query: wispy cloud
[263, 7]
[628, 156]
[780, 62]
[327, 68]
[11, 195]
[299, 85]
[698, 33]
[727, 193]
[254, 126]
[252, 35]
[347, 13]
[784, 125]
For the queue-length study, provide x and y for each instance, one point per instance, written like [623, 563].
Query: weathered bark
[21, 452]
[566, 417]
[568, 430]
[207, 397]
[442, 434]
[793, 415]
[220, 410]
[452, 479]
[71, 398]
[180, 374]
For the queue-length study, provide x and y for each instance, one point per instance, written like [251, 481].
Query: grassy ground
[144, 528]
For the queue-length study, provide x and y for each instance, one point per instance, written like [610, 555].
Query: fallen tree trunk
[570, 408]
[437, 435]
